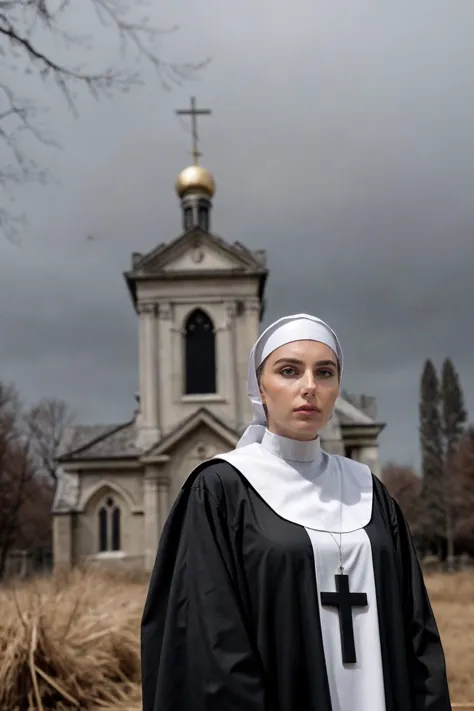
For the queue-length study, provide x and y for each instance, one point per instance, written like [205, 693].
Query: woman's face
[299, 384]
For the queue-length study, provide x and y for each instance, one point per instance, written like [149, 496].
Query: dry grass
[452, 597]
[72, 642]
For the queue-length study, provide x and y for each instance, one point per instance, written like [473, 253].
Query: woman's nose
[309, 383]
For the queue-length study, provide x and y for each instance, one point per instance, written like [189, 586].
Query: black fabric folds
[196, 655]
[231, 621]
[413, 656]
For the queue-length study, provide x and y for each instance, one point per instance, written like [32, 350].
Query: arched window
[109, 526]
[116, 529]
[199, 354]
[203, 217]
[103, 529]
[188, 218]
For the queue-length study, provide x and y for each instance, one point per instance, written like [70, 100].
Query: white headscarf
[300, 327]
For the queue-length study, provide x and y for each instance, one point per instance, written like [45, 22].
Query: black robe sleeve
[196, 653]
[426, 659]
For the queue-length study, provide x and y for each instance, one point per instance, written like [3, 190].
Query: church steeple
[195, 185]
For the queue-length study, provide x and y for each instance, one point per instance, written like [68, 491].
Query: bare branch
[405, 486]
[27, 31]
[45, 424]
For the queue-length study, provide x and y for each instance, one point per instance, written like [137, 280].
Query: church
[199, 301]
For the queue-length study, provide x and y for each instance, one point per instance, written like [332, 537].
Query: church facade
[199, 301]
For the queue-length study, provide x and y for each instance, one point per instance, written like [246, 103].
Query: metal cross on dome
[194, 113]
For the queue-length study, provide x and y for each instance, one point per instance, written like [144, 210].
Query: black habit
[231, 621]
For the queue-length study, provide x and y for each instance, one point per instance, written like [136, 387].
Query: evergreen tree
[431, 441]
[454, 418]
[454, 414]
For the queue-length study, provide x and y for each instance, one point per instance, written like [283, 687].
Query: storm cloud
[341, 141]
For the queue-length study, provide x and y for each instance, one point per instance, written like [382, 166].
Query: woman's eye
[287, 371]
[326, 373]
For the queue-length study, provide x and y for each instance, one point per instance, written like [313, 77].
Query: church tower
[200, 304]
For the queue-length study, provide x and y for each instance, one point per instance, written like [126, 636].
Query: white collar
[292, 450]
[320, 491]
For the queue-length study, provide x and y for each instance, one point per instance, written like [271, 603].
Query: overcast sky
[341, 142]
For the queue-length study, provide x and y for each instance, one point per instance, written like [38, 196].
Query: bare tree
[454, 418]
[405, 486]
[35, 526]
[462, 494]
[17, 473]
[45, 423]
[36, 42]
[28, 448]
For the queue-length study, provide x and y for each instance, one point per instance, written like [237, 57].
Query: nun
[286, 578]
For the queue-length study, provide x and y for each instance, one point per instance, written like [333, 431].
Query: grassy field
[72, 642]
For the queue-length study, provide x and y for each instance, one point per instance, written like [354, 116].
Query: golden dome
[195, 178]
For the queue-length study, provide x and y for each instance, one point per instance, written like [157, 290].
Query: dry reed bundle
[70, 643]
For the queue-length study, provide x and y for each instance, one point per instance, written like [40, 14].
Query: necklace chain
[339, 545]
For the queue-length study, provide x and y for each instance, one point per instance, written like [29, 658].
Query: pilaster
[163, 501]
[151, 516]
[148, 342]
[234, 386]
[369, 455]
[62, 540]
[252, 329]
[170, 359]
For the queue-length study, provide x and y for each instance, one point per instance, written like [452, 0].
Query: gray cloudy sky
[342, 143]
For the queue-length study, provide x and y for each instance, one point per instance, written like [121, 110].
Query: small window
[188, 218]
[109, 526]
[203, 217]
[116, 529]
[102, 529]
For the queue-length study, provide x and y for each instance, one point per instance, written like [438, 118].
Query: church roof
[153, 260]
[86, 442]
[355, 412]
[153, 265]
[183, 428]
[99, 442]
[349, 414]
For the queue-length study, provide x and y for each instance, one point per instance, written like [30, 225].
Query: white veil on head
[300, 327]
